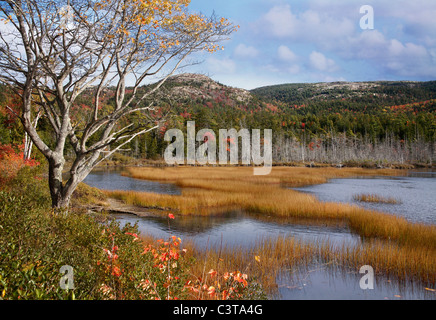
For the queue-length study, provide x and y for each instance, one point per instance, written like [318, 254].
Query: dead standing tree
[51, 52]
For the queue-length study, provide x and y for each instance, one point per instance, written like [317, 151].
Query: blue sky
[290, 41]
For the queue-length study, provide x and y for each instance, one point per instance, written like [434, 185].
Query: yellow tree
[52, 52]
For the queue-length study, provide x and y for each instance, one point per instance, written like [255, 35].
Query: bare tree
[52, 52]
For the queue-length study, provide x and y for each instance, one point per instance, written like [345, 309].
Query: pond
[113, 180]
[416, 192]
[323, 282]
[235, 229]
[230, 229]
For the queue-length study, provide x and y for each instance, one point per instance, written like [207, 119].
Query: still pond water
[417, 193]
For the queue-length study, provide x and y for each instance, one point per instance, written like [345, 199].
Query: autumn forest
[369, 124]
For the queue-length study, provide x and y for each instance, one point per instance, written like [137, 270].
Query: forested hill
[323, 122]
[358, 96]
[305, 98]
[326, 122]
[405, 110]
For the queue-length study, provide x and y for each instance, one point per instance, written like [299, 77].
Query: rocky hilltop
[198, 86]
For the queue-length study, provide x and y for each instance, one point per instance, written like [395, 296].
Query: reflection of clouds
[417, 202]
[115, 181]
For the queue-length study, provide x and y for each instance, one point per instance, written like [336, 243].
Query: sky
[294, 41]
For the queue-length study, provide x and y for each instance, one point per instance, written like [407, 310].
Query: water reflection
[235, 229]
[416, 194]
[113, 180]
[231, 229]
[321, 282]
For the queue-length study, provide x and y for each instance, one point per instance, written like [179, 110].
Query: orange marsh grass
[403, 249]
[269, 258]
[208, 190]
[374, 198]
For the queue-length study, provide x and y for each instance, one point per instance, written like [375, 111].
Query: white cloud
[332, 79]
[390, 55]
[243, 51]
[321, 62]
[271, 68]
[396, 48]
[332, 27]
[286, 54]
[418, 15]
[433, 55]
[322, 38]
[307, 26]
[280, 21]
[409, 59]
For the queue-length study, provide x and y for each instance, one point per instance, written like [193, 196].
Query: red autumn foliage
[271, 107]
[186, 115]
[311, 146]
[11, 161]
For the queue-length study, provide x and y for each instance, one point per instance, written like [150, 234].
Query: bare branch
[53, 54]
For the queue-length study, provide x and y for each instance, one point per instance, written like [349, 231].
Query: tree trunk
[61, 193]
[56, 165]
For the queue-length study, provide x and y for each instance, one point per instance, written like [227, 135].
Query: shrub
[11, 161]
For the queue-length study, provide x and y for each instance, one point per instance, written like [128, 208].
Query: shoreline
[364, 164]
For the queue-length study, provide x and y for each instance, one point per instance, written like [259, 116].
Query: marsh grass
[207, 191]
[269, 258]
[398, 247]
[374, 198]
[85, 195]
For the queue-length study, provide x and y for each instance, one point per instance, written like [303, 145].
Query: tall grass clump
[374, 198]
[391, 260]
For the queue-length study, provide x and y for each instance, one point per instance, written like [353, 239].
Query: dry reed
[404, 249]
[207, 190]
[374, 198]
